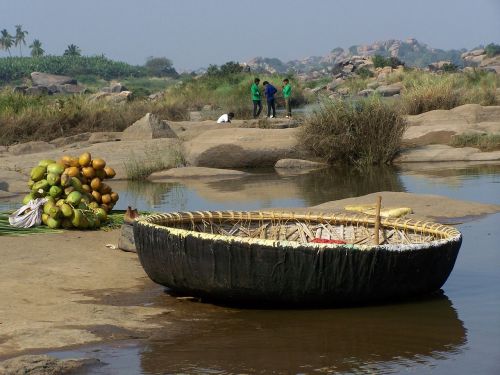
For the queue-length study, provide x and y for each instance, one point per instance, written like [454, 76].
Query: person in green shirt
[257, 101]
[287, 94]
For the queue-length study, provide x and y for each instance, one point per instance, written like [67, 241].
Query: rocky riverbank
[241, 144]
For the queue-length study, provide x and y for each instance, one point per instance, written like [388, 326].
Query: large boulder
[390, 90]
[148, 127]
[240, 148]
[72, 139]
[440, 126]
[45, 79]
[114, 87]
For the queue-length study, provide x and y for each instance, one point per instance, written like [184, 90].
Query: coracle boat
[302, 259]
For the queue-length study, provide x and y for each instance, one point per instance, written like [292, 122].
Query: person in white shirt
[226, 117]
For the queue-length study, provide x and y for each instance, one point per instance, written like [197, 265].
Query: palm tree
[72, 50]
[36, 48]
[20, 37]
[6, 40]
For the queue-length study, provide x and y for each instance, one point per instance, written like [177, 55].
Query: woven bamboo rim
[417, 226]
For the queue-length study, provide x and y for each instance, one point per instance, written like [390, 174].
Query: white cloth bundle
[29, 215]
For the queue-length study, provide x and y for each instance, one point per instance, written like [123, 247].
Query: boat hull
[265, 272]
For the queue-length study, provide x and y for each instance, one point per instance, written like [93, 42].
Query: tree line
[18, 39]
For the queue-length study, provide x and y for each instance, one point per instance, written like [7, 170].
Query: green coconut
[53, 223]
[68, 190]
[55, 191]
[31, 183]
[65, 180]
[60, 202]
[53, 179]
[45, 218]
[38, 173]
[76, 183]
[46, 162]
[74, 198]
[55, 212]
[66, 210]
[28, 197]
[56, 168]
[101, 214]
[41, 185]
[47, 206]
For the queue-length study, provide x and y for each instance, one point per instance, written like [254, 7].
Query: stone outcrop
[390, 90]
[148, 127]
[444, 124]
[439, 152]
[77, 138]
[240, 148]
[45, 365]
[100, 137]
[112, 97]
[44, 83]
[114, 87]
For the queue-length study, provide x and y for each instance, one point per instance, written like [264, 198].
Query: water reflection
[260, 189]
[295, 341]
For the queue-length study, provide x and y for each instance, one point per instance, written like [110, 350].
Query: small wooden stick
[377, 219]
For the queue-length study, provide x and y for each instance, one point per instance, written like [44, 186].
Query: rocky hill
[410, 51]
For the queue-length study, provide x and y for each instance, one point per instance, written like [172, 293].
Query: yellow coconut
[100, 173]
[84, 159]
[95, 184]
[110, 172]
[106, 198]
[73, 162]
[114, 197]
[98, 163]
[88, 172]
[97, 196]
[72, 171]
[105, 189]
[86, 188]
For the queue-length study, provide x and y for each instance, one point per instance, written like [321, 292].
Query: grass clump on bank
[153, 160]
[363, 132]
[426, 92]
[484, 142]
[43, 118]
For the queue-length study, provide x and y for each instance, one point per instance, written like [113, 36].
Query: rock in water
[45, 365]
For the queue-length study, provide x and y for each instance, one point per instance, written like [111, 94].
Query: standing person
[269, 91]
[287, 94]
[257, 102]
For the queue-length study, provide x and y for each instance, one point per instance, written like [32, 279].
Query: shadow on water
[294, 341]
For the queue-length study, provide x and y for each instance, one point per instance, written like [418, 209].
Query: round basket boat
[287, 258]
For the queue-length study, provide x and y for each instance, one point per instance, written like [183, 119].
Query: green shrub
[381, 61]
[364, 72]
[364, 132]
[492, 50]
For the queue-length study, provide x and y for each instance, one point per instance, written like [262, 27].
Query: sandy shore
[52, 287]
[66, 289]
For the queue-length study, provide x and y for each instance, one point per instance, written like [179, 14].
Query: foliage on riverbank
[363, 132]
[26, 118]
[19, 68]
[425, 92]
[484, 142]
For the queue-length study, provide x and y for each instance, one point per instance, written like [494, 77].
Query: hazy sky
[195, 33]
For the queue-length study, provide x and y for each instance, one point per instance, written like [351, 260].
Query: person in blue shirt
[269, 92]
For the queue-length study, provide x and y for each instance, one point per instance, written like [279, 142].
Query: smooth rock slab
[435, 153]
[46, 79]
[31, 148]
[240, 148]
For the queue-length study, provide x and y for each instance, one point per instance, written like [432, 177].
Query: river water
[456, 331]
